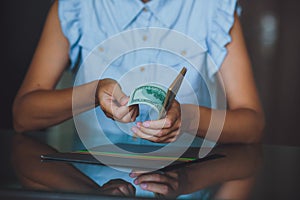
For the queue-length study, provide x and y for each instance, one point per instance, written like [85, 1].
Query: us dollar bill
[150, 94]
[157, 96]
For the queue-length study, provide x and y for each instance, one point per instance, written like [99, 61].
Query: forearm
[240, 162]
[43, 108]
[242, 125]
[34, 174]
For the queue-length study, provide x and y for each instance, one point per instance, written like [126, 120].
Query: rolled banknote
[150, 94]
[156, 96]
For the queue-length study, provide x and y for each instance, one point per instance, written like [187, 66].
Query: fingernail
[144, 186]
[146, 124]
[134, 129]
[138, 124]
[131, 175]
[136, 181]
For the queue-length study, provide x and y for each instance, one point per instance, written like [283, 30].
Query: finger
[156, 124]
[119, 112]
[173, 115]
[124, 100]
[173, 174]
[129, 117]
[170, 179]
[124, 189]
[119, 95]
[110, 108]
[152, 177]
[142, 135]
[149, 131]
[158, 132]
[170, 140]
[171, 137]
[168, 137]
[133, 107]
[163, 134]
[127, 189]
[135, 113]
[166, 122]
[131, 189]
[135, 173]
[112, 184]
[159, 188]
[112, 191]
[118, 187]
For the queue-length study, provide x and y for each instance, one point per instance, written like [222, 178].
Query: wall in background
[272, 31]
[272, 36]
[21, 23]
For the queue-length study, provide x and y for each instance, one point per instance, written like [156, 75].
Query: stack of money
[157, 96]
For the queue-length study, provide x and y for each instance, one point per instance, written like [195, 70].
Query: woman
[74, 28]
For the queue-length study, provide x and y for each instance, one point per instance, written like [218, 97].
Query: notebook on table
[136, 157]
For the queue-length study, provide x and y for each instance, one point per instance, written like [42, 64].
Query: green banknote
[150, 94]
[157, 96]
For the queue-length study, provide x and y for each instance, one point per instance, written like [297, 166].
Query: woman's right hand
[113, 101]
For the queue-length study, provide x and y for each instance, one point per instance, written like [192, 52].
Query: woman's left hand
[163, 130]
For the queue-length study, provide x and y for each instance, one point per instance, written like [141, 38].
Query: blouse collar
[166, 11]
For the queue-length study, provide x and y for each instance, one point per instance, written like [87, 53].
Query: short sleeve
[219, 33]
[69, 16]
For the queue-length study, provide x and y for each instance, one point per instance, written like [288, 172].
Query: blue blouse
[88, 23]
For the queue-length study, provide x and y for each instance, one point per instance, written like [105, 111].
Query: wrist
[96, 97]
[190, 116]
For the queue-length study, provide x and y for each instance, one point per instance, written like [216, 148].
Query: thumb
[120, 96]
[124, 100]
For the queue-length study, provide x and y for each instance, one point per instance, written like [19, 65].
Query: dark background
[272, 33]
[271, 29]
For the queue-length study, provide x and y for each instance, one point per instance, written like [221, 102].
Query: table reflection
[228, 177]
[56, 176]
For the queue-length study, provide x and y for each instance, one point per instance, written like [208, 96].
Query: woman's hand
[118, 187]
[163, 130]
[166, 184]
[113, 101]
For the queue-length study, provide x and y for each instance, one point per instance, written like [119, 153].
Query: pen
[172, 92]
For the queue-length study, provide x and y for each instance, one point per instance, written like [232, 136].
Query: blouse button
[142, 69]
[183, 53]
[145, 37]
[101, 49]
[145, 9]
